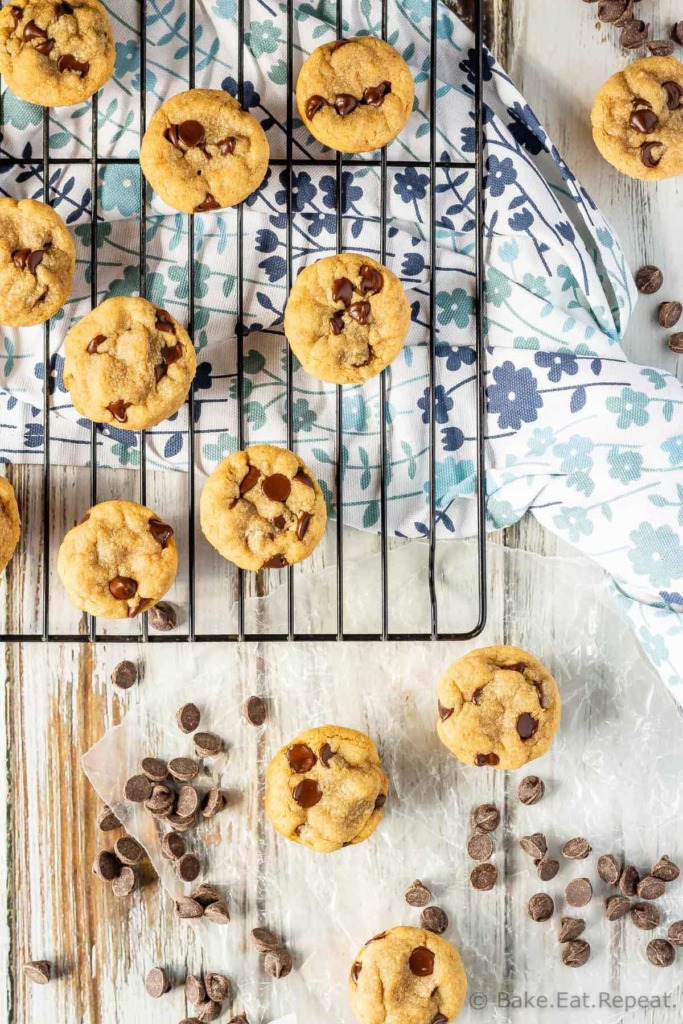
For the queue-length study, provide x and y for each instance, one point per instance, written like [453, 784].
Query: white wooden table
[57, 701]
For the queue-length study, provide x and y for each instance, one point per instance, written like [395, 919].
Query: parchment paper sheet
[613, 775]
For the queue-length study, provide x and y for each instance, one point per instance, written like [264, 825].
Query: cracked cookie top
[498, 707]
[263, 508]
[55, 54]
[326, 788]
[201, 151]
[355, 95]
[407, 976]
[37, 262]
[129, 363]
[347, 317]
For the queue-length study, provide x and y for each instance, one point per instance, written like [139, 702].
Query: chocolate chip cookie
[10, 525]
[346, 319]
[498, 706]
[263, 508]
[118, 561]
[37, 262]
[326, 789]
[129, 363]
[638, 119]
[355, 95]
[55, 54]
[201, 151]
[407, 976]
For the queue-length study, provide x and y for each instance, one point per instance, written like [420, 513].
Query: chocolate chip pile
[484, 820]
[649, 280]
[117, 866]
[634, 31]
[205, 994]
[432, 919]
[277, 960]
[579, 891]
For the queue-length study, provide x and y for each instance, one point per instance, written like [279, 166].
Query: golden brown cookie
[201, 151]
[118, 561]
[55, 54]
[37, 262]
[129, 363]
[263, 508]
[407, 976]
[326, 789]
[498, 706]
[355, 95]
[347, 317]
[10, 524]
[638, 119]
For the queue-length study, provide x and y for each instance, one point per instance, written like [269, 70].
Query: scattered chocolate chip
[540, 907]
[628, 881]
[163, 617]
[67, 62]
[676, 342]
[612, 11]
[314, 104]
[264, 940]
[184, 769]
[137, 789]
[479, 846]
[534, 845]
[154, 768]
[434, 919]
[275, 562]
[485, 818]
[214, 802]
[161, 801]
[207, 204]
[188, 908]
[172, 846]
[107, 820]
[124, 675]
[217, 987]
[187, 801]
[307, 793]
[255, 710]
[194, 990]
[579, 892]
[477, 696]
[128, 850]
[277, 962]
[660, 953]
[37, 971]
[643, 120]
[526, 726]
[360, 311]
[207, 744]
[666, 870]
[157, 983]
[371, 280]
[547, 868]
[119, 410]
[661, 47]
[188, 717]
[481, 760]
[33, 31]
[674, 94]
[300, 758]
[373, 95]
[531, 790]
[124, 883]
[484, 877]
[576, 849]
[445, 713]
[106, 865]
[345, 104]
[650, 888]
[634, 34]
[677, 32]
[209, 1011]
[609, 868]
[575, 953]
[188, 867]
[421, 962]
[675, 932]
[571, 928]
[356, 969]
[651, 153]
[649, 279]
[418, 895]
[645, 916]
[616, 907]
[205, 895]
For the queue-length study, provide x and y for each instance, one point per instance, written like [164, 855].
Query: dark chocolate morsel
[345, 104]
[302, 478]
[360, 311]
[342, 290]
[314, 104]
[300, 758]
[33, 31]
[651, 153]
[526, 726]
[374, 95]
[275, 562]
[123, 588]
[380, 801]
[371, 280]
[674, 94]
[67, 62]
[164, 322]
[161, 532]
[249, 480]
[94, 345]
[307, 793]
[421, 962]
[20, 258]
[35, 259]
[207, 204]
[302, 525]
[226, 146]
[119, 409]
[277, 487]
[172, 353]
[356, 969]
[643, 120]
[445, 713]
[337, 322]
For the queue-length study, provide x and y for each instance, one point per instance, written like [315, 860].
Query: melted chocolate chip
[20, 257]
[46, 47]
[440, 1019]
[172, 353]
[300, 758]
[355, 970]
[342, 290]
[337, 322]
[35, 259]
[67, 62]
[94, 345]
[17, 12]
[249, 480]
[643, 120]
[33, 31]
[302, 525]
[345, 104]
[118, 410]
[380, 801]
[371, 281]
[186, 134]
[360, 311]
[123, 588]
[477, 695]
[207, 204]
[486, 759]
[650, 155]
[160, 372]
[275, 562]
[421, 962]
[445, 713]
[526, 726]
[674, 94]
[302, 478]
[279, 522]
[62, 9]
[541, 695]
[226, 146]
[374, 95]
[277, 487]
[161, 532]
[314, 104]
[307, 793]
[164, 322]
[326, 753]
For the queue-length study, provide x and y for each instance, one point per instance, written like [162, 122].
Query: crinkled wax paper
[613, 775]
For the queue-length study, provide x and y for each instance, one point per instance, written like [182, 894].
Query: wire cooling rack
[89, 629]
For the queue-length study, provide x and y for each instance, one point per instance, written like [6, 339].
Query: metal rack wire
[336, 165]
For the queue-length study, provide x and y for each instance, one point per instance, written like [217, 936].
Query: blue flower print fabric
[590, 443]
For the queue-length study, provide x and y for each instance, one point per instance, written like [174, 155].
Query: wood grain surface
[57, 700]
